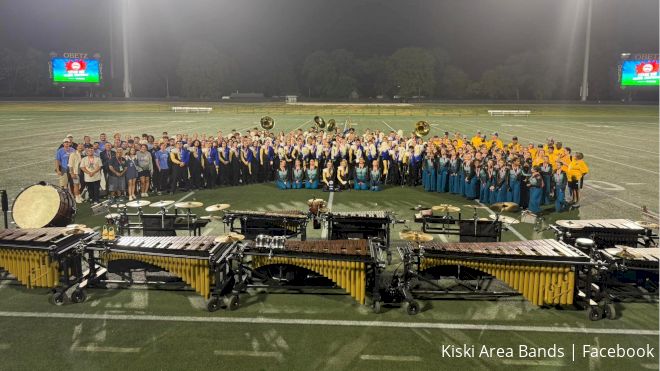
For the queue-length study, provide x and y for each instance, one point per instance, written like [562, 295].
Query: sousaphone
[320, 122]
[267, 123]
[422, 128]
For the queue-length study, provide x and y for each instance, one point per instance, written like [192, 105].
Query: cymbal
[113, 216]
[647, 225]
[188, 205]
[77, 230]
[217, 207]
[162, 203]
[117, 206]
[505, 219]
[505, 206]
[446, 208]
[138, 203]
[74, 226]
[415, 236]
[229, 237]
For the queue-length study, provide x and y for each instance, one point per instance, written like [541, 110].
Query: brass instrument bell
[267, 122]
[422, 128]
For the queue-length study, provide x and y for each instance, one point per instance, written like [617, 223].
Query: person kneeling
[283, 181]
[298, 174]
[312, 175]
[360, 176]
[375, 177]
[342, 176]
[329, 178]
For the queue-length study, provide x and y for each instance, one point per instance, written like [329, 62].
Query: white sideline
[249, 353]
[96, 348]
[375, 357]
[330, 322]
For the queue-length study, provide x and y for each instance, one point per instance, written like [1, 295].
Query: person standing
[117, 178]
[179, 157]
[144, 164]
[559, 182]
[91, 166]
[162, 163]
[62, 164]
[577, 169]
[74, 172]
[535, 185]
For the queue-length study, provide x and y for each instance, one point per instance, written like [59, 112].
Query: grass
[620, 145]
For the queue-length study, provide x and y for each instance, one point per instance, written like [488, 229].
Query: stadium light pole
[124, 40]
[585, 69]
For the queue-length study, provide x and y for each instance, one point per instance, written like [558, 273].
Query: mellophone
[545, 272]
[289, 223]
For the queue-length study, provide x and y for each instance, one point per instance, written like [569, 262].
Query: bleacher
[192, 109]
[509, 112]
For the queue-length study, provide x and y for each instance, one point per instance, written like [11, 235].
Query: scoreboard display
[640, 72]
[75, 68]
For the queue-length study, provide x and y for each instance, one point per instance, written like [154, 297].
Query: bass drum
[43, 205]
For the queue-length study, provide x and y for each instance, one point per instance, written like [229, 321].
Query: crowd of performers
[483, 168]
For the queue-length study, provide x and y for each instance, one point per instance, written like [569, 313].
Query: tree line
[202, 71]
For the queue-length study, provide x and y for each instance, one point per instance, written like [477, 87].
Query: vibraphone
[289, 223]
[359, 224]
[604, 232]
[353, 265]
[199, 261]
[45, 257]
[545, 272]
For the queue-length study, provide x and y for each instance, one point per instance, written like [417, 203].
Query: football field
[143, 328]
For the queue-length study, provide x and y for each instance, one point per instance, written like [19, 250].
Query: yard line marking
[303, 124]
[96, 348]
[181, 199]
[24, 165]
[375, 357]
[616, 198]
[388, 125]
[249, 353]
[328, 322]
[324, 232]
[510, 227]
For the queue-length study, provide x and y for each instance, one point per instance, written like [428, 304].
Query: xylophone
[604, 232]
[45, 257]
[359, 224]
[353, 265]
[289, 223]
[199, 261]
[545, 272]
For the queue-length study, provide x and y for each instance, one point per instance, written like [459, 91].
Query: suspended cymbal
[74, 226]
[445, 208]
[188, 205]
[77, 229]
[415, 236]
[217, 207]
[163, 203]
[117, 206]
[229, 237]
[505, 206]
[647, 225]
[505, 219]
[138, 203]
[113, 216]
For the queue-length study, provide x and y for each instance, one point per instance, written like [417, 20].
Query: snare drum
[43, 205]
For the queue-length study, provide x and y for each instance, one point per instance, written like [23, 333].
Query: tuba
[332, 125]
[422, 128]
[267, 122]
[320, 122]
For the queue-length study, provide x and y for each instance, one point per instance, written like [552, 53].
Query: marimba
[45, 257]
[543, 271]
[289, 223]
[604, 232]
[199, 261]
[359, 224]
[353, 265]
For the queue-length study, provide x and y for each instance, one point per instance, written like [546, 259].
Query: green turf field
[157, 329]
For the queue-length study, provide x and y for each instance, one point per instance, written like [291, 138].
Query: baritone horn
[320, 122]
[422, 128]
[332, 124]
[267, 122]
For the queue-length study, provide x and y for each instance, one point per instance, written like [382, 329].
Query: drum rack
[254, 223]
[467, 229]
[160, 224]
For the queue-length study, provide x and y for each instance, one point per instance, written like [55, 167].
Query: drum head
[36, 206]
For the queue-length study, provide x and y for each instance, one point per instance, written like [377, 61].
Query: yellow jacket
[577, 169]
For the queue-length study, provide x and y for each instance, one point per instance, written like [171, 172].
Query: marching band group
[480, 168]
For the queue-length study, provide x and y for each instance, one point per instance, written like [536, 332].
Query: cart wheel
[595, 313]
[609, 311]
[232, 302]
[377, 306]
[57, 298]
[213, 304]
[412, 308]
[78, 296]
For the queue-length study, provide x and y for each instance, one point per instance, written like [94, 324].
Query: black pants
[163, 180]
[210, 176]
[93, 189]
[180, 176]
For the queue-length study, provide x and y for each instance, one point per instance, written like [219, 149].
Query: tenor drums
[43, 205]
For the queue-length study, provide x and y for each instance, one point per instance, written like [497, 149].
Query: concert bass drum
[43, 205]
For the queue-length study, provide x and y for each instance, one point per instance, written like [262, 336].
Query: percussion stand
[188, 213]
[162, 212]
[474, 216]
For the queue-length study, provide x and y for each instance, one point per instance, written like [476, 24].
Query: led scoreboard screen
[75, 70]
[640, 73]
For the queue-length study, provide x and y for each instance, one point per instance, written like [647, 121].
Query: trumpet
[267, 122]
[320, 122]
[422, 128]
